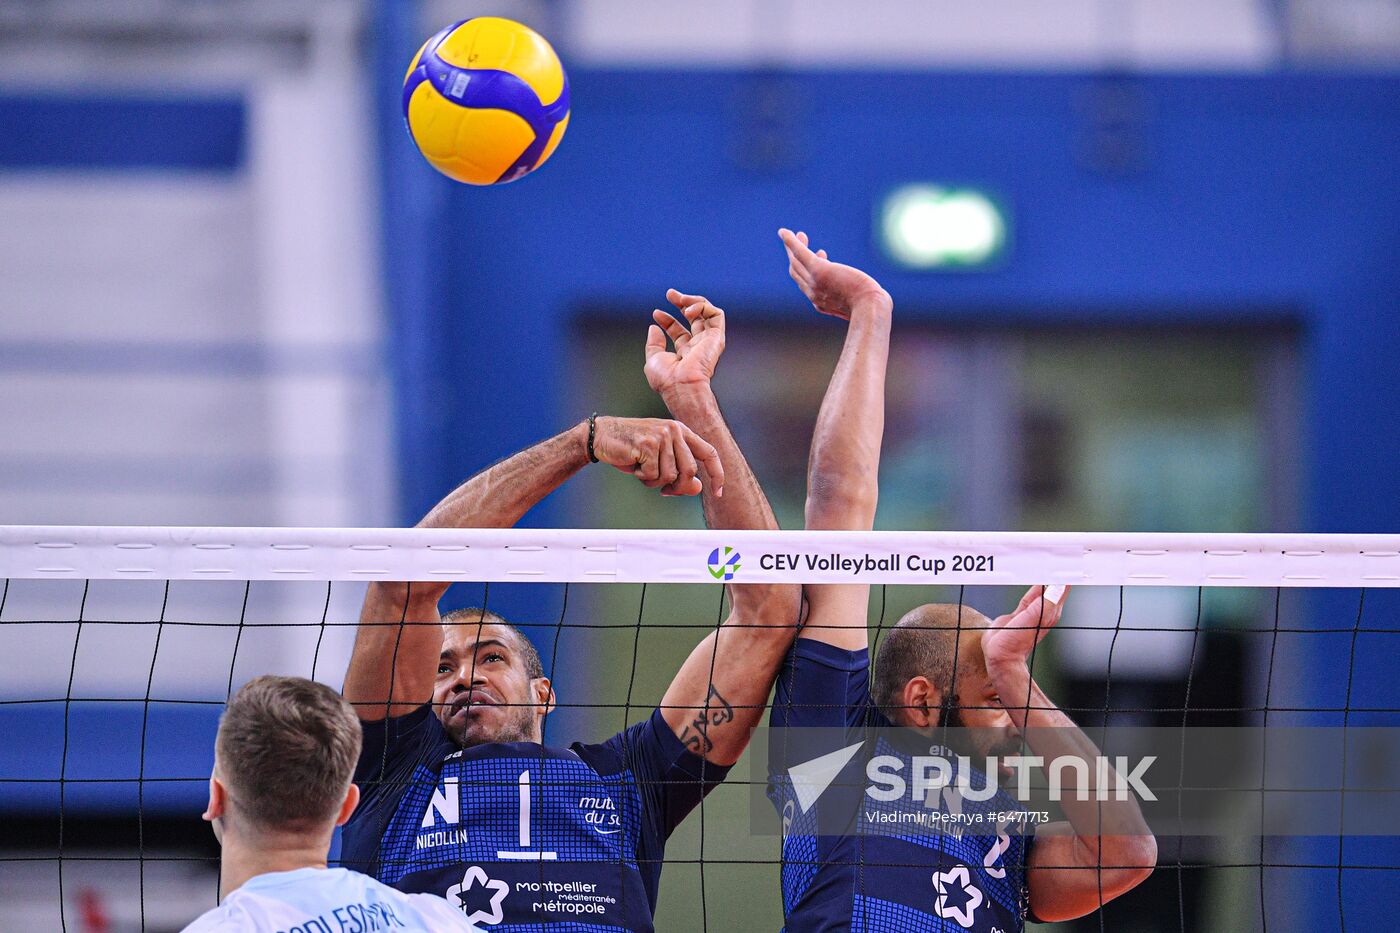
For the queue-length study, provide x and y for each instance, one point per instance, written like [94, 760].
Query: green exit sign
[929, 226]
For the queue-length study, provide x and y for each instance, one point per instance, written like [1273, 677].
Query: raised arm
[1106, 849]
[843, 483]
[720, 692]
[400, 638]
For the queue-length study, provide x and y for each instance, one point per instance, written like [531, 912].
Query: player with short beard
[461, 797]
[942, 665]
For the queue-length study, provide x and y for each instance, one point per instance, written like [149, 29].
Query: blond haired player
[281, 784]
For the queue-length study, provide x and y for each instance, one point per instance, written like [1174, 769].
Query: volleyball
[486, 100]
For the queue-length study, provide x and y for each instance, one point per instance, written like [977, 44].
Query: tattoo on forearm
[696, 734]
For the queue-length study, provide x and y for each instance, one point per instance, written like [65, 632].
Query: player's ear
[921, 703]
[544, 693]
[348, 805]
[218, 798]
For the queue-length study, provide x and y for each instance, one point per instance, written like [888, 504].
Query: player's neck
[244, 859]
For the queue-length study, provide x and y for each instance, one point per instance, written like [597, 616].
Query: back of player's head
[926, 642]
[477, 616]
[286, 752]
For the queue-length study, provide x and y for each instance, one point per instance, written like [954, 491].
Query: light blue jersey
[328, 900]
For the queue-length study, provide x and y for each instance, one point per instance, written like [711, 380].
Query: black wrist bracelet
[592, 429]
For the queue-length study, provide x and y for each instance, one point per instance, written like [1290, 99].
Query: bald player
[941, 666]
[461, 799]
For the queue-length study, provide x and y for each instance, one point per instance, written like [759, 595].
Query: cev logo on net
[724, 563]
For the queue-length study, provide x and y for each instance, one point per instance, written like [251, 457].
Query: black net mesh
[113, 692]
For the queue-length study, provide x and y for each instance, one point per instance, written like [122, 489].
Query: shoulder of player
[427, 906]
[607, 757]
[405, 742]
[228, 917]
[808, 651]
[212, 921]
[645, 740]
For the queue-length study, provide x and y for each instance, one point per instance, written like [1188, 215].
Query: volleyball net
[1268, 657]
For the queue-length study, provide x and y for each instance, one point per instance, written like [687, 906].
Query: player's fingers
[800, 273]
[656, 341]
[705, 316]
[686, 467]
[805, 276]
[790, 241]
[1048, 601]
[690, 487]
[816, 254]
[1053, 602]
[666, 470]
[790, 245]
[674, 328]
[681, 300]
[708, 458]
[1037, 614]
[699, 323]
[1029, 596]
[644, 460]
[1014, 618]
[673, 325]
[699, 310]
[713, 318]
[798, 247]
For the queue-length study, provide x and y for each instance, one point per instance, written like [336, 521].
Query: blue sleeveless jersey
[869, 877]
[520, 836]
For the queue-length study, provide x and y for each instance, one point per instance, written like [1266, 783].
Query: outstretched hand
[1011, 638]
[698, 340]
[664, 455]
[833, 288]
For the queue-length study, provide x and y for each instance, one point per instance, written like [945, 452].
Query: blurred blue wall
[1270, 198]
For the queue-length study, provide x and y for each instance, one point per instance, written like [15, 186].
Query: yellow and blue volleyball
[486, 100]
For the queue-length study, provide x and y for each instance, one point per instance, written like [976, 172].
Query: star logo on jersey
[724, 563]
[958, 898]
[478, 888]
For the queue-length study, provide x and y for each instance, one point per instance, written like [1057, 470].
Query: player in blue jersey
[865, 854]
[281, 784]
[461, 799]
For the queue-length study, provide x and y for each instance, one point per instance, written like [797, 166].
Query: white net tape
[626, 556]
